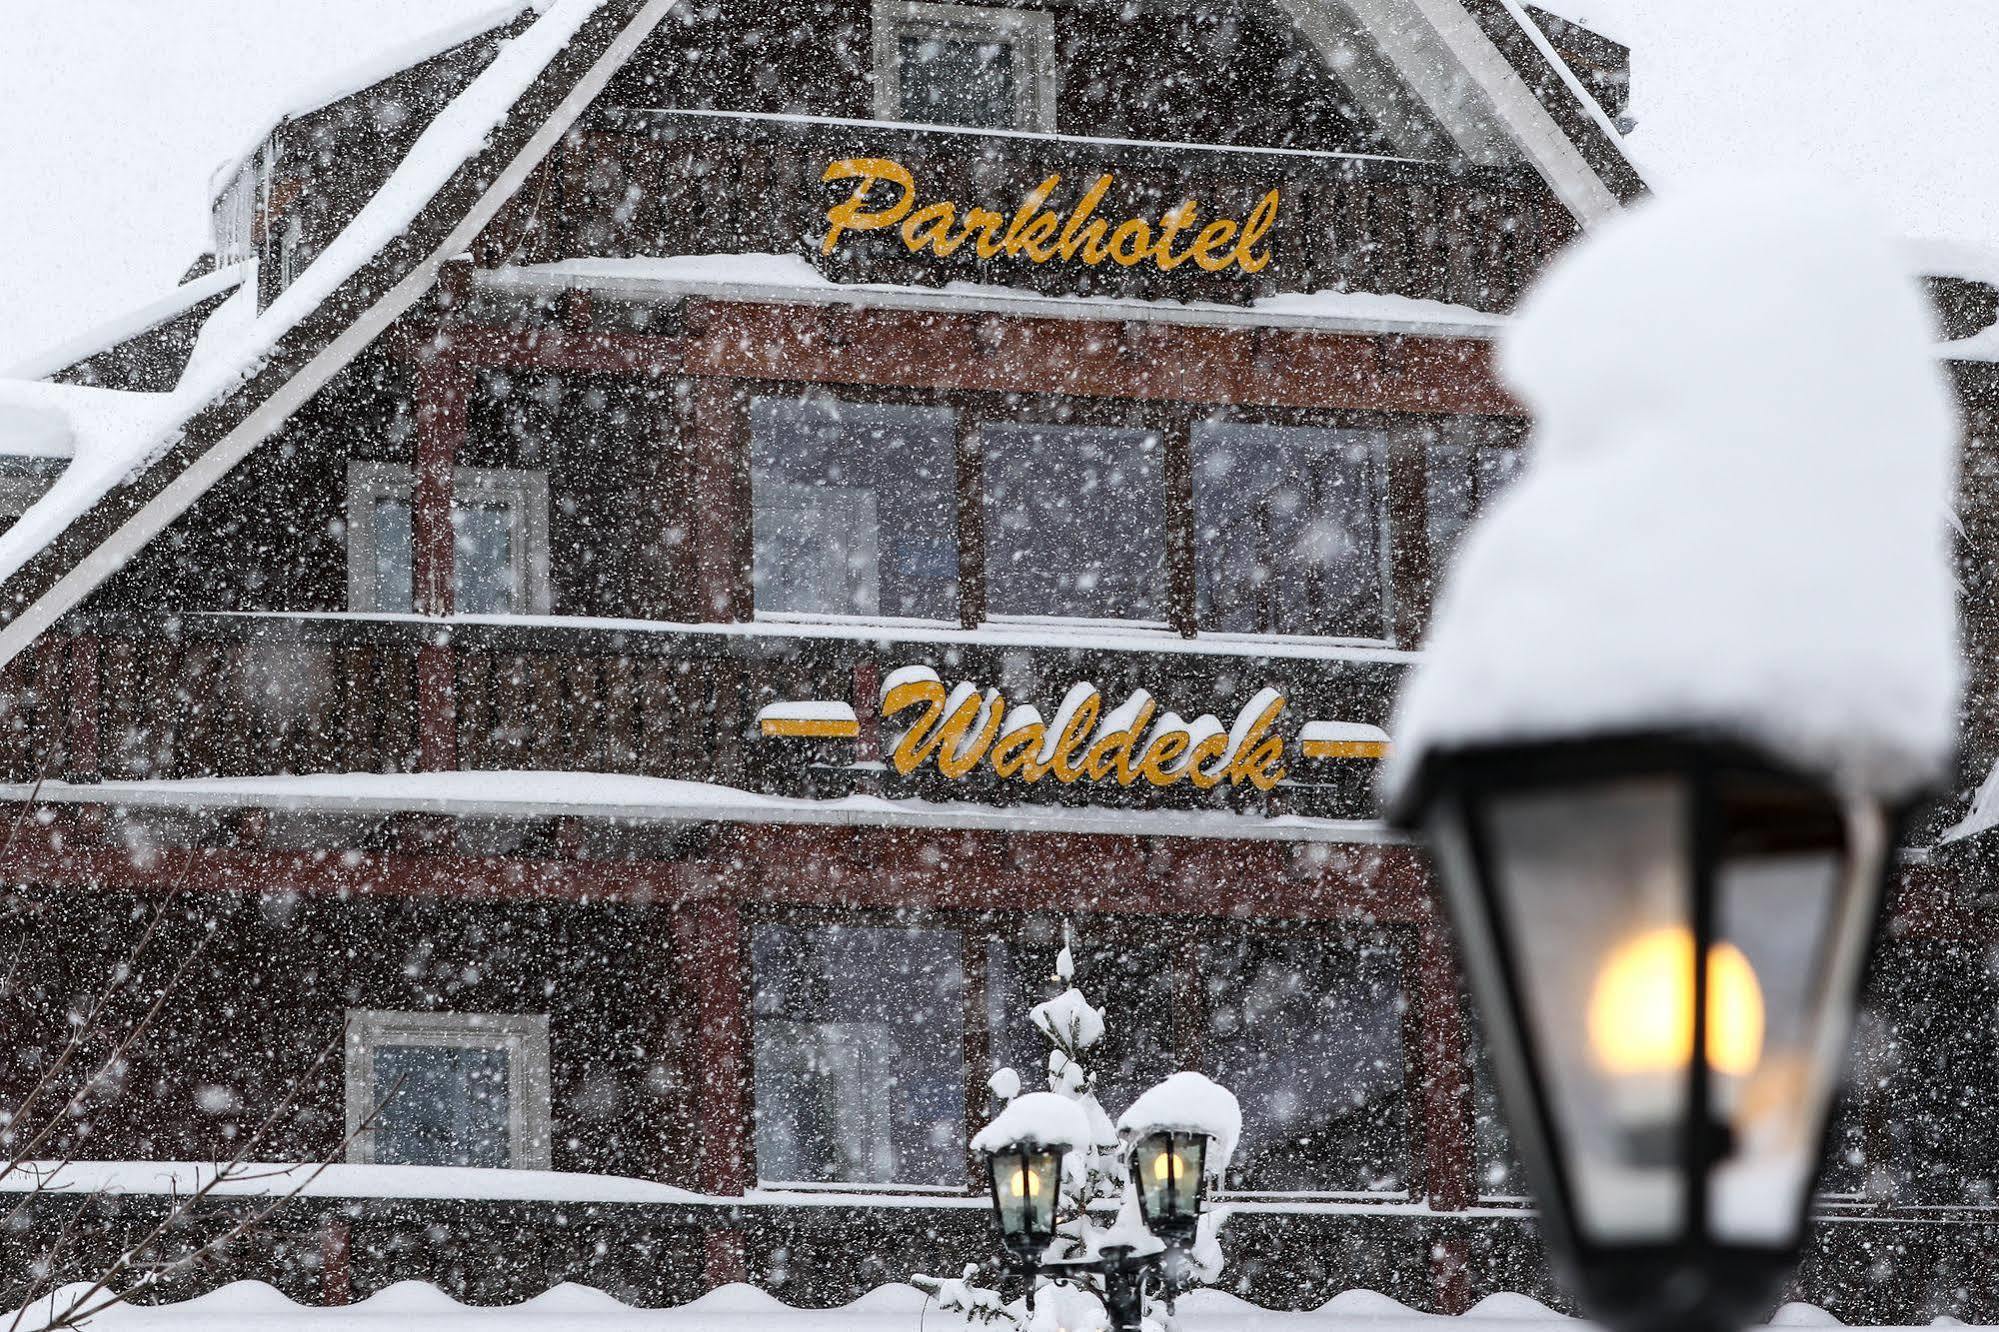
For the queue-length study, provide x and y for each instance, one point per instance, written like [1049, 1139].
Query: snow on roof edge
[457, 133]
[131, 324]
[361, 76]
[625, 797]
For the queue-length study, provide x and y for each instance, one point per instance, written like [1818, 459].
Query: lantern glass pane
[1797, 909]
[1593, 894]
[1025, 1183]
[1169, 1167]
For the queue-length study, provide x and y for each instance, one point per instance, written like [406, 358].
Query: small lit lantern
[1170, 1169]
[1027, 1186]
[1024, 1148]
[1622, 903]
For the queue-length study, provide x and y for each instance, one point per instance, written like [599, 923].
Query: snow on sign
[960, 730]
[885, 194]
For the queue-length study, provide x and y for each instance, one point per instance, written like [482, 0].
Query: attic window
[982, 68]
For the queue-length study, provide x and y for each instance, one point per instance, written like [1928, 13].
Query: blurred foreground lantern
[1682, 685]
[1170, 1170]
[1026, 1182]
[1623, 902]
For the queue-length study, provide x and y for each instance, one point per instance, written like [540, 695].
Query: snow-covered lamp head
[1025, 1148]
[1682, 685]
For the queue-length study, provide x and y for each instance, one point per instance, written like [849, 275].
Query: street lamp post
[1025, 1149]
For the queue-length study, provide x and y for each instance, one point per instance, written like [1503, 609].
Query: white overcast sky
[114, 112]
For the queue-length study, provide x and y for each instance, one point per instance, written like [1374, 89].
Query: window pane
[1308, 1033]
[446, 1106]
[854, 508]
[1459, 481]
[859, 1055]
[1075, 522]
[1500, 1174]
[483, 559]
[393, 556]
[957, 81]
[1289, 529]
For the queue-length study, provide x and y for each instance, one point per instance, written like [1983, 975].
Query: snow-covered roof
[129, 325]
[373, 263]
[383, 64]
[791, 278]
[1734, 517]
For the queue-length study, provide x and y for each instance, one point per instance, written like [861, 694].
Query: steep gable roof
[1503, 78]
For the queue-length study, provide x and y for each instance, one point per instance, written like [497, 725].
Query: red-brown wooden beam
[928, 349]
[932, 349]
[718, 501]
[443, 391]
[1449, 1145]
[437, 707]
[711, 949]
[858, 869]
[81, 747]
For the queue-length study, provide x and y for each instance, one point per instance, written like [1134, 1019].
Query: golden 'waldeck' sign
[964, 728]
[885, 195]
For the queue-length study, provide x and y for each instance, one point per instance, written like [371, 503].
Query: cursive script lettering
[885, 195]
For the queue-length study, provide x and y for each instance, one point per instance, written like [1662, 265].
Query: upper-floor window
[1291, 527]
[852, 506]
[448, 1089]
[1075, 522]
[980, 67]
[499, 528]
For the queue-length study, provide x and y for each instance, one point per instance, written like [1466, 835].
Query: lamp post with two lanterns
[1031, 1147]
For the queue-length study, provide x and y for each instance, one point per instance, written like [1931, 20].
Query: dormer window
[978, 67]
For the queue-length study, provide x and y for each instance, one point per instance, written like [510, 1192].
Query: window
[859, 1051]
[853, 508]
[960, 65]
[448, 1089]
[1308, 1033]
[1075, 522]
[1500, 1175]
[1460, 478]
[499, 525]
[1291, 530]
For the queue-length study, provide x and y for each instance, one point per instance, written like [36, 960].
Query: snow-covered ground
[250, 1306]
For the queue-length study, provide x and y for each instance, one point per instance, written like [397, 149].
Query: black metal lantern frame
[1026, 1180]
[1168, 1170]
[1623, 902]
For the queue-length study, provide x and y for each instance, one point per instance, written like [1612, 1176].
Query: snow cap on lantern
[1042, 1118]
[1734, 518]
[1190, 1103]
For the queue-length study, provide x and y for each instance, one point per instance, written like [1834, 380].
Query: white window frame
[523, 493]
[1029, 32]
[524, 1037]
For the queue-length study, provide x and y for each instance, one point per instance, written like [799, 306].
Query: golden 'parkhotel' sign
[885, 195]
